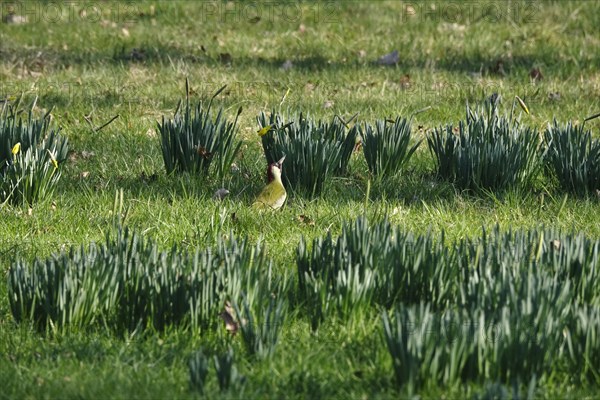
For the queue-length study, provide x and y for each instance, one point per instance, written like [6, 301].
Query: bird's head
[274, 170]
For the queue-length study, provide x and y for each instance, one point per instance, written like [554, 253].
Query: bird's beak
[281, 160]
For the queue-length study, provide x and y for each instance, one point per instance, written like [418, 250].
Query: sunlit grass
[133, 62]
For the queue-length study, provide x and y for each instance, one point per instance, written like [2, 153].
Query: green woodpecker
[273, 195]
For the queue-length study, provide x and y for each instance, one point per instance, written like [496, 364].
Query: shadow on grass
[273, 71]
[36, 59]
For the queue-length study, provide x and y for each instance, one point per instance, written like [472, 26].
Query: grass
[133, 61]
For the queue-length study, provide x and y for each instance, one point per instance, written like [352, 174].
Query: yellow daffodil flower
[52, 159]
[263, 131]
[16, 148]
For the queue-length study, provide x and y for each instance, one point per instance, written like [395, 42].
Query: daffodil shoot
[522, 104]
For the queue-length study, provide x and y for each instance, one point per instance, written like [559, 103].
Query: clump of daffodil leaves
[31, 152]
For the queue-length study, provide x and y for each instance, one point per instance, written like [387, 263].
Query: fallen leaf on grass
[554, 96]
[137, 54]
[405, 81]
[225, 59]
[105, 23]
[220, 194]
[15, 19]
[452, 27]
[305, 219]
[389, 59]
[74, 155]
[230, 318]
[148, 178]
[202, 152]
[498, 68]
[227, 316]
[536, 75]
[475, 74]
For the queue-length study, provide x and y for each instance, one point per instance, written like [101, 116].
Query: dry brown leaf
[137, 54]
[202, 152]
[498, 68]
[536, 75]
[305, 219]
[15, 19]
[87, 154]
[405, 81]
[554, 96]
[225, 58]
[148, 178]
[452, 27]
[227, 316]
[230, 318]
[410, 11]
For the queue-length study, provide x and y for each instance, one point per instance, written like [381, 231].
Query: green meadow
[460, 272]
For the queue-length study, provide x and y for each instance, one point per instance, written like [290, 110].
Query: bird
[273, 195]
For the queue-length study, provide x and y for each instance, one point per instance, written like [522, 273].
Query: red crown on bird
[277, 164]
